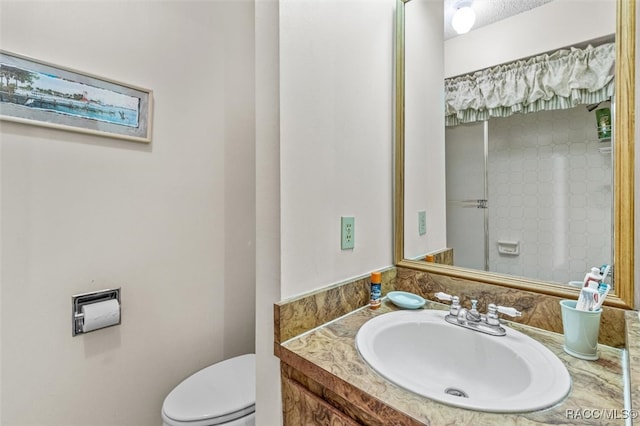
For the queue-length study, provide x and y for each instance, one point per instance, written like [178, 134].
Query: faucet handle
[455, 302]
[512, 312]
[492, 315]
[444, 296]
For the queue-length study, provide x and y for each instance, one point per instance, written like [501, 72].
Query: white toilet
[221, 394]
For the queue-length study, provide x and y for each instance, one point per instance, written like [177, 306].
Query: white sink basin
[421, 352]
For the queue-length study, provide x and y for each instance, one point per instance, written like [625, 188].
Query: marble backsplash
[443, 257]
[300, 314]
[538, 310]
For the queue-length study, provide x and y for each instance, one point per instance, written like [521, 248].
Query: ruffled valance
[560, 80]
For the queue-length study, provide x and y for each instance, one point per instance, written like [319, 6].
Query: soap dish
[406, 300]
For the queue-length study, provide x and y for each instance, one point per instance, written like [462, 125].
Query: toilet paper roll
[101, 314]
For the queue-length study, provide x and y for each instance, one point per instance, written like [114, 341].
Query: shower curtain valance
[559, 80]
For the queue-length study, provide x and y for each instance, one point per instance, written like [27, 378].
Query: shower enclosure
[466, 153]
[530, 195]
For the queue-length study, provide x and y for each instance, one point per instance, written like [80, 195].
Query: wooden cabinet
[302, 407]
[318, 398]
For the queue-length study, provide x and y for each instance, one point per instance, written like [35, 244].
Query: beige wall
[81, 212]
[324, 135]
[424, 128]
[268, 408]
[336, 138]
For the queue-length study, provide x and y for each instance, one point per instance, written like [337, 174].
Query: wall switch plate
[422, 222]
[347, 232]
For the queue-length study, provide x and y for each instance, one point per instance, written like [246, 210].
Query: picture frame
[43, 94]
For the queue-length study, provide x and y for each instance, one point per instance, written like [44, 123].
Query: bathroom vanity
[326, 381]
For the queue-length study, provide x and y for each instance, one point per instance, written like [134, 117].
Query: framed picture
[43, 94]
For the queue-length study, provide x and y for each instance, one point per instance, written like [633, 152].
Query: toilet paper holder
[80, 300]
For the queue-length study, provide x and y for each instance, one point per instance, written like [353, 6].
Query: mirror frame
[624, 159]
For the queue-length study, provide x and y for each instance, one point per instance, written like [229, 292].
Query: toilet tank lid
[223, 388]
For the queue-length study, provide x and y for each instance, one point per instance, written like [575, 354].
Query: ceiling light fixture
[464, 17]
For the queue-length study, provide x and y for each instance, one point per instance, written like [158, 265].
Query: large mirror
[622, 217]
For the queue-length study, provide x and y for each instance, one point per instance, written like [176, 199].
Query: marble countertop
[328, 355]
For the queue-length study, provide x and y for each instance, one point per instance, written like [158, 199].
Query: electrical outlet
[422, 222]
[347, 232]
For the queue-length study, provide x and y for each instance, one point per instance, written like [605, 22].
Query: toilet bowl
[221, 394]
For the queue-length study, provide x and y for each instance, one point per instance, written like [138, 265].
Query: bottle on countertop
[375, 298]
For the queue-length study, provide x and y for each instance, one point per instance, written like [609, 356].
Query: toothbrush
[604, 271]
[603, 295]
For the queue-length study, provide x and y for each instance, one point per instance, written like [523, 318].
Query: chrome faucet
[471, 315]
[474, 320]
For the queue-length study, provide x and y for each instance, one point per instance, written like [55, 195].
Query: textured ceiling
[488, 11]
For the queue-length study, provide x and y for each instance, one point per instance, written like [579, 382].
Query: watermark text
[601, 414]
